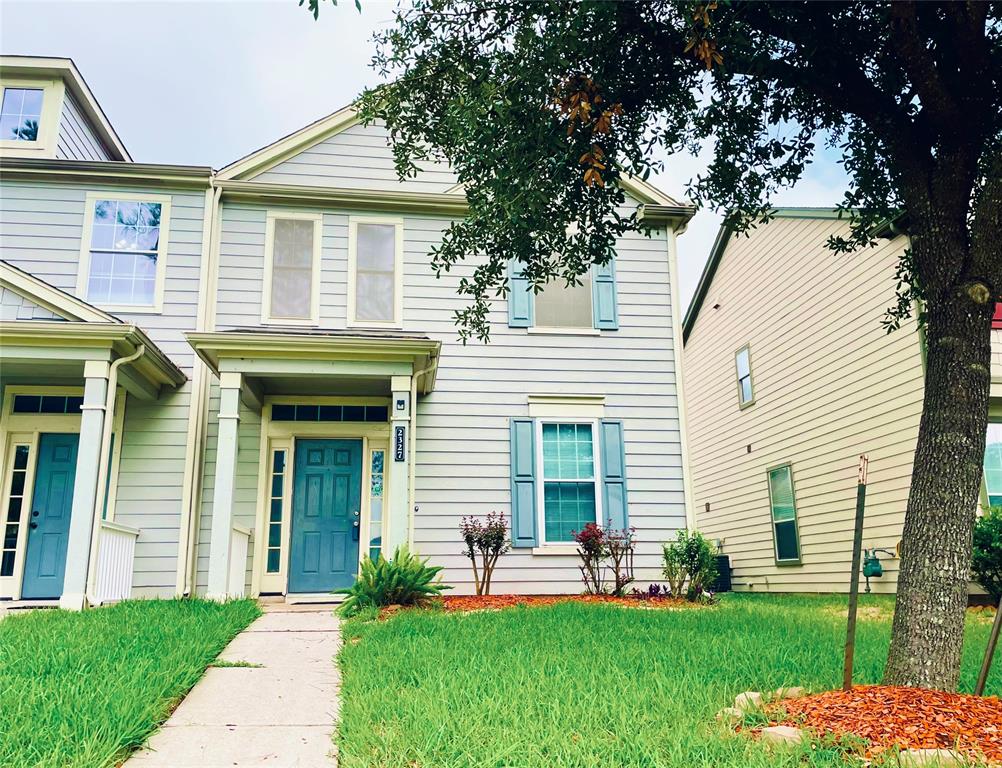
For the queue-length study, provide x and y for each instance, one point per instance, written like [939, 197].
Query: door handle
[33, 525]
[354, 531]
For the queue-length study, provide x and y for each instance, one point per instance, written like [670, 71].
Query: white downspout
[102, 468]
[412, 469]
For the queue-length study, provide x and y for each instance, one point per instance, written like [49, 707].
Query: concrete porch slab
[322, 620]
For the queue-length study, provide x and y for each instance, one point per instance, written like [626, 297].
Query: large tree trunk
[928, 625]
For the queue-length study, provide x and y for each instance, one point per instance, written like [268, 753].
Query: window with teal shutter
[784, 515]
[614, 475]
[569, 498]
[523, 483]
[993, 465]
[561, 306]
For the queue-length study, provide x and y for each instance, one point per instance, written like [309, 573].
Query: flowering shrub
[488, 540]
[601, 549]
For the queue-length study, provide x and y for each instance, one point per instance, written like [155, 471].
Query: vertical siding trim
[679, 354]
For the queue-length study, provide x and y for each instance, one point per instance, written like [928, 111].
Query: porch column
[78, 548]
[397, 497]
[222, 495]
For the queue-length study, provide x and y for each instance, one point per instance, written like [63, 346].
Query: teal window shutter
[519, 298]
[614, 507]
[603, 287]
[523, 483]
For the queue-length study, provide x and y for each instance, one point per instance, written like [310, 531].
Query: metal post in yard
[993, 640]
[857, 547]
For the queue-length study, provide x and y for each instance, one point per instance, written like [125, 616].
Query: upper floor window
[292, 268]
[29, 115]
[565, 306]
[21, 113]
[375, 271]
[742, 362]
[993, 465]
[123, 255]
[588, 306]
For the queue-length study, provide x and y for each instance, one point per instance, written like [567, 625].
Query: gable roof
[320, 130]
[67, 71]
[717, 252]
[51, 298]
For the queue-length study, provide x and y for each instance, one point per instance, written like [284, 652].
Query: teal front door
[326, 507]
[49, 521]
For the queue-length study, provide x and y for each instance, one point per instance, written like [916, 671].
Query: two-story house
[791, 378]
[242, 381]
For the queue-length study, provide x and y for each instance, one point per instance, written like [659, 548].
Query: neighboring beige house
[789, 376]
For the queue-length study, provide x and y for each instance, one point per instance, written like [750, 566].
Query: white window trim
[48, 124]
[398, 270]
[544, 330]
[751, 377]
[269, 261]
[83, 275]
[561, 547]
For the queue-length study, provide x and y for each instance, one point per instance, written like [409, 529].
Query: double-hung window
[746, 390]
[291, 293]
[784, 515]
[123, 255]
[565, 306]
[375, 271]
[569, 493]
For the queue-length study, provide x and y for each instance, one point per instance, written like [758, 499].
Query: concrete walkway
[280, 714]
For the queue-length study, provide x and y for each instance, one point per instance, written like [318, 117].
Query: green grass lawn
[576, 685]
[85, 689]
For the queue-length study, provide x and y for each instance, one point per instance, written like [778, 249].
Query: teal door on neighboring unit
[326, 506]
[49, 521]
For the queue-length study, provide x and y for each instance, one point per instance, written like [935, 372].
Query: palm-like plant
[407, 579]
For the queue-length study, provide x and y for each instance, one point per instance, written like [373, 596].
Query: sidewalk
[280, 714]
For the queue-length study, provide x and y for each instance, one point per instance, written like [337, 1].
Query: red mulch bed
[908, 718]
[462, 603]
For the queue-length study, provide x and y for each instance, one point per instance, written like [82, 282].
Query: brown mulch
[907, 718]
[462, 603]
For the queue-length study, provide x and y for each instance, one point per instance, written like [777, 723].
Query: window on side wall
[993, 465]
[784, 515]
[375, 272]
[291, 293]
[123, 257]
[569, 497]
[746, 390]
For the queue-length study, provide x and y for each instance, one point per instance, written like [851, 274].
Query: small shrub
[407, 579]
[602, 549]
[488, 540]
[690, 566]
[986, 560]
[592, 549]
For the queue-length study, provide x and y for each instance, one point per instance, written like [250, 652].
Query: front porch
[335, 470]
[65, 385]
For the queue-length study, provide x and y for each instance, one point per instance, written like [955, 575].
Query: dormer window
[21, 113]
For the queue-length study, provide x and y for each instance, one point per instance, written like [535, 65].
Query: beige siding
[830, 384]
[357, 158]
[41, 226]
[77, 140]
[463, 426]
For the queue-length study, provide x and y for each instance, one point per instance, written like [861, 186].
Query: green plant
[986, 560]
[407, 579]
[689, 565]
[84, 689]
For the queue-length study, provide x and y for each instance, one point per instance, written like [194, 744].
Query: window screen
[292, 269]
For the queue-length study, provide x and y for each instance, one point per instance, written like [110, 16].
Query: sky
[204, 83]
